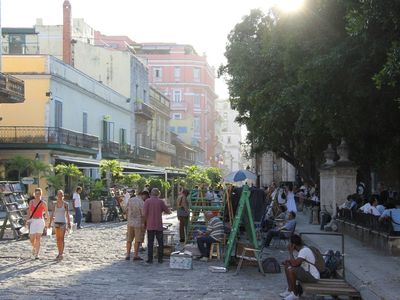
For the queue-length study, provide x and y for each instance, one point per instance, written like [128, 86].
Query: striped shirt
[215, 228]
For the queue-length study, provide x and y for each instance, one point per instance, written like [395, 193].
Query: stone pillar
[337, 178]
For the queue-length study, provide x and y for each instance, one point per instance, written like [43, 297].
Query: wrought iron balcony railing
[12, 89]
[165, 147]
[126, 151]
[143, 153]
[144, 110]
[110, 149]
[46, 135]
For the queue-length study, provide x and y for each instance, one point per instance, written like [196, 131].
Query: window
[58, 120]
[122, 136]
[157, 73]
[196, 100]
[229, 139]
[137, 92]
[85, 123]
[144, 96]
[108, 131]
[182, 129]
[177, 116]
[196, 125]
[196, 74]
[177, 73]
[177, 96]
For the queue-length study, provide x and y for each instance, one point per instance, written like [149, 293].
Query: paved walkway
[94, 268]
[374, 274]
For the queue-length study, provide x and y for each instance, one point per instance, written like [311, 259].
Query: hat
[144, 192]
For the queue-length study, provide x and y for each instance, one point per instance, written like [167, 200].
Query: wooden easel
[243, 208]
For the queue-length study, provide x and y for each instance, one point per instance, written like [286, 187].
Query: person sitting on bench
[393, 214]
[289, 227]
[301, 268]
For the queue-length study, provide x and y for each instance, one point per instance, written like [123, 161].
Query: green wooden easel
[244, 208]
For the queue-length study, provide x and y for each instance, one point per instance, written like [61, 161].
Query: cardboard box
[181, 260]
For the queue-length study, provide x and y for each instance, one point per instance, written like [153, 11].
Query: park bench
[332, 286]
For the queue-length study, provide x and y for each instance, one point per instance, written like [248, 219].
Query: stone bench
[378, 239]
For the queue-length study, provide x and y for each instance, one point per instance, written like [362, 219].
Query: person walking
[37, 209]
[153, 209]
[135, 229]
[78, 206]
[60, 216]
[290, 201]
[183, 214]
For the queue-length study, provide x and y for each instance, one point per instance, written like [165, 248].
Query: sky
[204, 24]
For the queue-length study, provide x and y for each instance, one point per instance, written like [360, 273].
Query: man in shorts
[135, 230]
[301, 268]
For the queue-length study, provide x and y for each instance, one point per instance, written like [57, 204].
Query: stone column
[337, 178]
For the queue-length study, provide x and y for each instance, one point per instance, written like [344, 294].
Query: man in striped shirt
[213, 234]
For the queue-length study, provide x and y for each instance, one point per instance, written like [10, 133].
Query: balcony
[12, 89]
[126, 152]
[145, 154]
[165, 147]
[144, 110]
[179, 106]
[36, 137]
[110, 150]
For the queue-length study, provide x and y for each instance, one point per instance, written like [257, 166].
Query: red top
[153, 209]
[39, 211]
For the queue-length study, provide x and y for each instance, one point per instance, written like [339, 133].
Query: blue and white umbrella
[240, 175]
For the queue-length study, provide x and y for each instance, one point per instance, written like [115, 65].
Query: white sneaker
[284, 294]
[291, 296]
[204, 259]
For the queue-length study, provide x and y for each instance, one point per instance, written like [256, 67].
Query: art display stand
[199, 203]
[15, 203]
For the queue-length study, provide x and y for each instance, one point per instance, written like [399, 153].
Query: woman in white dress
[290, 203]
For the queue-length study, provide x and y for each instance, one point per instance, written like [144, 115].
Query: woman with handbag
[183, 214]
[60, 213]
[37, 208]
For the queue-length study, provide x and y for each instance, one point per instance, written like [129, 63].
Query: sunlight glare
[289, 5]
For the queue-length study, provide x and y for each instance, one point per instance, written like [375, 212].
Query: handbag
[182, 212]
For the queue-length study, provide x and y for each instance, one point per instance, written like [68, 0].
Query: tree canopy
[301, 81]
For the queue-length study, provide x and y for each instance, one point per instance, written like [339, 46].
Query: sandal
[137, 258]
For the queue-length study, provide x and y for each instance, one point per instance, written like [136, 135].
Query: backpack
[271, 265]
[333, 262]
[319, 259]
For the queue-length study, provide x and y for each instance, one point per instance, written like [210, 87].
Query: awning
[128, 167]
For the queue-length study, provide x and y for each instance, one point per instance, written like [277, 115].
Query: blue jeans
[150, 243]
[204, 244]
[78, 216]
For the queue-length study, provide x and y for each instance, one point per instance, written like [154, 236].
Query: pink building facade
[187, 79]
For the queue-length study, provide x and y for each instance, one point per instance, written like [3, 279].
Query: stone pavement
[375, 274]
[94, 268]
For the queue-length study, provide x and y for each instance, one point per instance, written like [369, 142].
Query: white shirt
[370, 209]
[308, 255]
[126, 198]
[77, 199]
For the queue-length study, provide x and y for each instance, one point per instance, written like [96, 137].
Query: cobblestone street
[94, 267]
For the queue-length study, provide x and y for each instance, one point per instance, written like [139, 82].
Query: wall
[78, 92]
[108, 66]
[32, 112]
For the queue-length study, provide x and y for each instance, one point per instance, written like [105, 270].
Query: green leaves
[304, 80]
